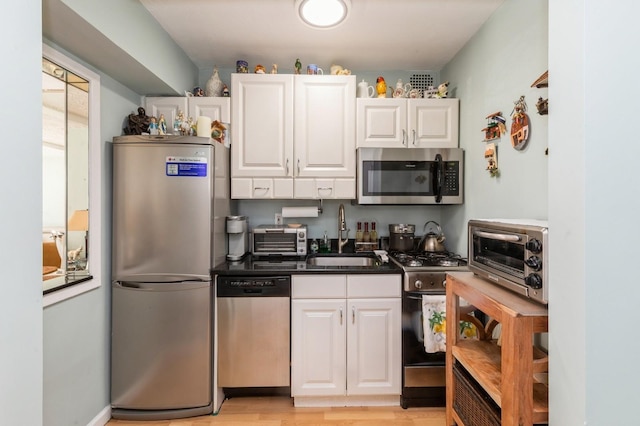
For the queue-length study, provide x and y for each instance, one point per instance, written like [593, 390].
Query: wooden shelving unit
[506, 372]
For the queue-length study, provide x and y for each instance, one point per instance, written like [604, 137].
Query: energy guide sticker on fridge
[186, 166]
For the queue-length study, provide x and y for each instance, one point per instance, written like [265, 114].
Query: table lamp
[79, 221]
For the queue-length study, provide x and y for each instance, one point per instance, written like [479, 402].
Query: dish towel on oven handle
[434, 323]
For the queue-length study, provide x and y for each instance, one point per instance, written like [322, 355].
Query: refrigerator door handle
[163, 286]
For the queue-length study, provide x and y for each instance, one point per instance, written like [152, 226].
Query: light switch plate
[278, 218]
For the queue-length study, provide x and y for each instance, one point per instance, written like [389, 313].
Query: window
[71, 171]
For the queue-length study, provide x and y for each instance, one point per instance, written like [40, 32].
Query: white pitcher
[364, 90]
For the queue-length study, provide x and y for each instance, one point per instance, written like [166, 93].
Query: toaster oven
[511, 253]
[279, 240]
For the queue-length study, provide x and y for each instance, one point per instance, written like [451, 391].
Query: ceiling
[377, 35]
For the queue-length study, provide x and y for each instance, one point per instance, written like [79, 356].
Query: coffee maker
[238, 237]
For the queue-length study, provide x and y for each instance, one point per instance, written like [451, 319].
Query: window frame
[94, 281]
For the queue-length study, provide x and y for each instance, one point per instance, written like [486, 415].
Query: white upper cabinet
[299, 129]
[216, 108]
[262, 125]
[410, 123]
[324, 130]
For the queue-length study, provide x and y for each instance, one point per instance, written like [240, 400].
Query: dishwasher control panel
[279, 286]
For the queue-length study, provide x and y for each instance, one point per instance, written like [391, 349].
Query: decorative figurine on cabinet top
[274, 69]
[259, 69]
[153, 126]
[437, 93]
[162, 125]
[137, 123]
[214, 85]
[381, 87]
[298, 66]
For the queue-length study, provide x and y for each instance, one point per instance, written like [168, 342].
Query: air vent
[423, 81]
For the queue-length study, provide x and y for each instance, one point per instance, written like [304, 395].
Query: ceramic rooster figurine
[381, 87]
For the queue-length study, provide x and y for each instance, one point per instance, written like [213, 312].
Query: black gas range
[426, 271]
[423, 373]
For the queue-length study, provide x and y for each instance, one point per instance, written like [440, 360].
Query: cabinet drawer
[318, 286]
[363, 286]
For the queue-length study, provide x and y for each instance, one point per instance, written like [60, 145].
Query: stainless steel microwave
[410, 175]
[511, 253]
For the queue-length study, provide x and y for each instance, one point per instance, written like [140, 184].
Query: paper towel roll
[203, 127]
[299, 212]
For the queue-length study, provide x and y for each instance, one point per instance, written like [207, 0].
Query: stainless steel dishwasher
[254, 316]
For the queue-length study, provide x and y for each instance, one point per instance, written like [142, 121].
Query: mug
[364, 90]
[313, 69]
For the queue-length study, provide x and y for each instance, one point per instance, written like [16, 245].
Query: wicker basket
[474, 406]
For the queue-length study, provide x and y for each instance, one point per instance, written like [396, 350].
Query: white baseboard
[102, 418]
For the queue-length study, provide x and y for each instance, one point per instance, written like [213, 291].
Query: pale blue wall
[599, 53]
[76, 374]
[21, 216]
[489, 74]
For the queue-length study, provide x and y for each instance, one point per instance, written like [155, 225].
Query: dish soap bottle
[326, 246]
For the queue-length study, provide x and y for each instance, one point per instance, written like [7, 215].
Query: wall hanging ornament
[519, 124]
[490, 154]
[495, 126]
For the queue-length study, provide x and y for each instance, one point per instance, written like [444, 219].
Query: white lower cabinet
[346, 340]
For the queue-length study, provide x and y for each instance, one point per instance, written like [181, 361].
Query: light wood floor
[279, 411]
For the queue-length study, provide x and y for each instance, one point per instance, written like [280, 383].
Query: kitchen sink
[342, 260]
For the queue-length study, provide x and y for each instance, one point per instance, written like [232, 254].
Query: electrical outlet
[278, 218]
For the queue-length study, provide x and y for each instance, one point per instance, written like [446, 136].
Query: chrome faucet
[342, 226]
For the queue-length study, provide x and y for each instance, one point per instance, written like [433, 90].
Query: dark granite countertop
[250, 266]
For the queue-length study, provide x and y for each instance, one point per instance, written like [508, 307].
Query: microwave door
[437, 177]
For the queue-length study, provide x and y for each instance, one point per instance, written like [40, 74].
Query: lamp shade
[79, 221]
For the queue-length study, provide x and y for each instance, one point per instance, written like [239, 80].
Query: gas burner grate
[428, 259]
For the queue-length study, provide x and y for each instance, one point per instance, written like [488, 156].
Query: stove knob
[444, 283]
[534, 262]
[534, 281]
[418, 284]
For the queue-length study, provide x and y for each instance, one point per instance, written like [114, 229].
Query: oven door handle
[417, 295]
[502, 237]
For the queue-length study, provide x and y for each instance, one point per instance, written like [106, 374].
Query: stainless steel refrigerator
[170, 202]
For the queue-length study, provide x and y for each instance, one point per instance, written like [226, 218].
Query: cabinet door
[170, 106]
[374, 346]
[325, 112]
[212, 107]
[381, 123]
[318, 346]
[262, 125]
[433, 123]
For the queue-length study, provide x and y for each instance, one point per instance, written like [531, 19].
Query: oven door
[409, 176]
[420, 368]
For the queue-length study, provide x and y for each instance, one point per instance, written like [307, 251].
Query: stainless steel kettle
[432, 241]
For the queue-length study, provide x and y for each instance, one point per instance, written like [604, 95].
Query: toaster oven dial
[534, 262]
[534, 246]
[534, 281]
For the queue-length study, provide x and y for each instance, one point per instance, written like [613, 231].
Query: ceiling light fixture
[323, 13]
